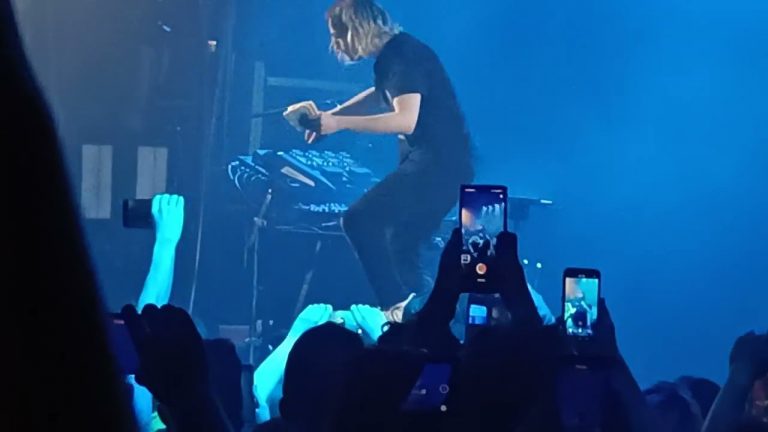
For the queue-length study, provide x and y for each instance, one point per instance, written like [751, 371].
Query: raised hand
[507, 273]
[370, 320]
[440, 307]
[168, 212]
[172, 361]
[311, 316]
[603, 344]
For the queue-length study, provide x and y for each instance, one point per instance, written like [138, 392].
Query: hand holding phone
[431, 389]
[581, 395]
[122, 345]
[513, 303]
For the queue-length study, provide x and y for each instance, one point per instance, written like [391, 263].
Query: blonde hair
[366, 24]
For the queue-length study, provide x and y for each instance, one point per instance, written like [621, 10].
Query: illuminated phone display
[580, 301]
[483, 215]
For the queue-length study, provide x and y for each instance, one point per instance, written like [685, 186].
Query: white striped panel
[96, 182]
[151, 171]
[257, 104]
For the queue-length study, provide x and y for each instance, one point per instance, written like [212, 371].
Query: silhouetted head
[674, 408]
[702, 390]
[225, 372]
[506, 381]
[376, 390]
[314, 371]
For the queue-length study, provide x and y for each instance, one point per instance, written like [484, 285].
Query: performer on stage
[414, 99]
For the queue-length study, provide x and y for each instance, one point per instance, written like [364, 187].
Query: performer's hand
[311, 137]
[329, 123]
[309, 106]
[296, 112]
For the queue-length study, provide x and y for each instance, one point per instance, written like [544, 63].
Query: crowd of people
[354, 369]
[351, 370]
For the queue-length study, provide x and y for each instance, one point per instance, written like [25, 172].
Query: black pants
[388, 226]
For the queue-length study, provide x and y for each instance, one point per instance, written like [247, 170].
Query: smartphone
[122, 345]
[137, 213]
[431, 389]
[581, 291]
[477, 314]
[581, 396]
[482, 215]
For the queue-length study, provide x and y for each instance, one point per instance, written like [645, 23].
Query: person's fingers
[180, 321]
[357, 314]
[454, 243]
[136, 327]
[603, 314]
[156, 200]
[165, 204]
[181, 202]
[313, 110]
[325, 313]
[150, 315]
[506, 245]
[405, 302]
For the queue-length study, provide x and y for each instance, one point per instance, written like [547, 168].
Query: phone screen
[483, 215]
[580, 301]
[122, 345]
[137, 213]
[581, 393]
[431, 389]
[486, 309]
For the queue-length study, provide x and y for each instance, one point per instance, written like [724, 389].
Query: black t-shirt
[406, 65]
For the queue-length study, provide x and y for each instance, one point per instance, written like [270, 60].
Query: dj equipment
[311, 188]
[307, 187]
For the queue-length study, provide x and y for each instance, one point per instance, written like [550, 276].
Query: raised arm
[268, 377]
[168, 212]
